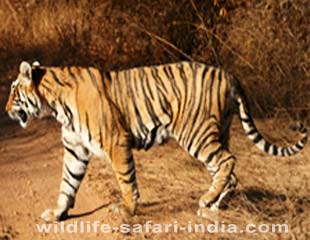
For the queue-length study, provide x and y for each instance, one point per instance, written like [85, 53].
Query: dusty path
[271, 190]
[30, 171]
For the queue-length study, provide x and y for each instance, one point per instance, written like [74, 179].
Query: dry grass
[273, 37]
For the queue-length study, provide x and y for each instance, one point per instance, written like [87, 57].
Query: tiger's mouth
[20, 116]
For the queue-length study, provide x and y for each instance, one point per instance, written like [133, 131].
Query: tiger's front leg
[75, 162]
[124, 168]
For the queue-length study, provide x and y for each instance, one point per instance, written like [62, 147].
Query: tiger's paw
[121, 210]
[205, 200]
[208, 213]
[52, 215]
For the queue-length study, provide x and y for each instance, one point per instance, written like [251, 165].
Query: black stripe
[135, 80]
[122, 91]
[26, 104]
[252, 131]
[79, 73]
[67, 195]
[72, 75]
[298, 146]
[219, 92]
[203, 142]
[267, 146]
[100, 136]
[18, 95]
[246, 120]
[32, 103]
[56, 78]
[148, 85]
[170, 76]
[53, 108]
[283, 151]
[92, 77]
[72, 152]
[130, 180]
[108, 76]
[166, 106]
[184, 80]
[46, 87]
[290, 151]
[304, 140]
[87, 125]
[257, 138]
[83, 161]
[214, 153]
[78, 177]
[70, 197]
[68, 110]
[68, 182]
[75, 156]
[226, 159]
[303, 130]
[211, 90]
[128, 170]
[275, 150]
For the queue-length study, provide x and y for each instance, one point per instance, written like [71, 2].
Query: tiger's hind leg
[228, 189]
[223, 181]
[224, 139]
[220, 164]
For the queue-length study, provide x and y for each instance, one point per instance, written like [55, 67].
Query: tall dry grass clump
[273, 36]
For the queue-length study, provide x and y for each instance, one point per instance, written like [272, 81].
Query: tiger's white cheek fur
[62, 118]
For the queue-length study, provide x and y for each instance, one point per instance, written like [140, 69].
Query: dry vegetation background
[265, 43]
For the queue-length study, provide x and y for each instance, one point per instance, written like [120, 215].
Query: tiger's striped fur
[109, 114]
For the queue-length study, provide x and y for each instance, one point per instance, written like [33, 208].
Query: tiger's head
[24, 102]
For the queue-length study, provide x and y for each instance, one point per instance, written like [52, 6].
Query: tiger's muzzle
[19, 115]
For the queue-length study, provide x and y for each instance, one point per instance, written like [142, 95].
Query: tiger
[110, 113]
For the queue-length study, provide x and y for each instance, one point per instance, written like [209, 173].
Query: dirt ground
[270, 190]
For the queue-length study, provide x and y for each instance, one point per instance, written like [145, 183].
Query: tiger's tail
[254, 135]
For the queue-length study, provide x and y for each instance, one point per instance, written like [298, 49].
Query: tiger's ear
[25, 70]
[36, 64]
